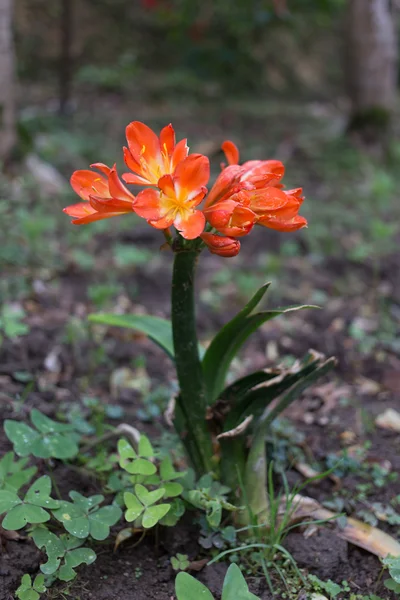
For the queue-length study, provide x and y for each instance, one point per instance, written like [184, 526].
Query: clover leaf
[28, 590]
[13, 475]
[83, 517]
[48, 439]
[211, 497]
[166, 479]
[137, 463]
[29, 510]
[64, 553]
[143, 504]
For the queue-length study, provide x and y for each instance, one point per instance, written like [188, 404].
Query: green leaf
[74, 558]
[13, 475]
[167, 470]
[176, 511]
[154, 514]
[134, 507]
[145, 449]
[235, 586]
[31, 509]
[255, 476]
[157, 329]
[229, 340]
[83, 517]
[254, 402]
[8, 500]
[21, 515]
[64, 553]
[188, 588]
[50, 439]
[138, 465]
[148, 498]
[26, 590]
[393, 564]
[172, 489]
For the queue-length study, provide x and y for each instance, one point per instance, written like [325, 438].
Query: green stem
[192, 403]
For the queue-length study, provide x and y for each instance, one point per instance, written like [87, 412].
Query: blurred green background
[290, 80]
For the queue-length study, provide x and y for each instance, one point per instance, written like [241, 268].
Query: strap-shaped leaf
[157, 329]
[256, 468]
[231, 337]
[254, 401]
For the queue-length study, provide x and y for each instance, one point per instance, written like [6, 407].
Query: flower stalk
[192, 402]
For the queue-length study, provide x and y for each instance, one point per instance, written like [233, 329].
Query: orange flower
[223, 246]
[180, 193]
[149, 156]
[250, 194]
[104, 196]
[232, 217]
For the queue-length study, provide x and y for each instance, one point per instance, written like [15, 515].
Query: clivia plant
[214, 421]
[223, 427]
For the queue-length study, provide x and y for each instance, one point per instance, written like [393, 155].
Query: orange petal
[167, 140]
[101, 167]
[97, 216]
[147, 205]
[294, 224]
[111, 205]
[225, 180]
[180, 153]
[223, 246]
[162, 223]
[267, 199]
[81, 209]
[192, 226]
[142, 141]
[85, 182]
[117, 188]
[231, 152]
[193, 172]
[166, 185]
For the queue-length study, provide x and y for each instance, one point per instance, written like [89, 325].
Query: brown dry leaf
[309, 473]
[360, 534]
[366, 386]
[126, 534]
[10, 535]
[197, 565]
[389, 419]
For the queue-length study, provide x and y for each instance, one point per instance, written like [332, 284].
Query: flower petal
[85, 182]
[294, 224]
[231, 152]
[101, 167]
[223, 246]
[167, 140]
[267, 199]
[142, 141]
[81, 209]
[191, 227]
[225, 180]
[147, 205]
[193, 172]
[166, 185]
[117, 188]
[180, 153]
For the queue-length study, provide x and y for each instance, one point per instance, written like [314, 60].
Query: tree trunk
[7, 102]
[372, 62]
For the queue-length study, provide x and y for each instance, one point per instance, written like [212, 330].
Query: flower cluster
[174, 183]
